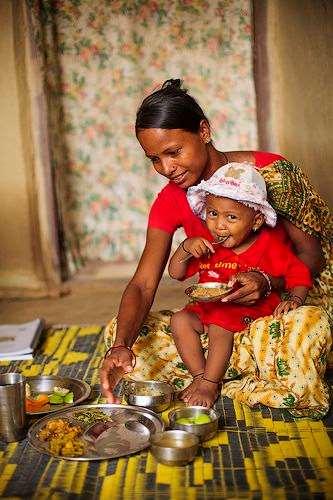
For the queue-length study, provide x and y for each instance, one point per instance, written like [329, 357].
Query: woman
[175, 135]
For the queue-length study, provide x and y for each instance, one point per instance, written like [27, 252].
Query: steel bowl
[141, 393]
[44, 384]
[204, 431]
[208, 292]
[174, 447]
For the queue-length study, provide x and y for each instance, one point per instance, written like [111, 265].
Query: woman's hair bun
[173, 83]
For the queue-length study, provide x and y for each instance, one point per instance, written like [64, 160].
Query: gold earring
[255, 228]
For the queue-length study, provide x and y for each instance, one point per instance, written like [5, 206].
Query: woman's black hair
[170, 107]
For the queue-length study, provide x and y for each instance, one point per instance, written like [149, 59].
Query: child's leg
[186, 328]
[219, 352]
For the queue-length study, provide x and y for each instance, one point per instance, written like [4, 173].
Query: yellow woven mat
[256, 454]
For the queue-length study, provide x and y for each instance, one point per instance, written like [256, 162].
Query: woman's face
[176, 154]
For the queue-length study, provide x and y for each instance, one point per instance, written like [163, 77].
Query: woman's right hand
[118, 362]
[197, 247]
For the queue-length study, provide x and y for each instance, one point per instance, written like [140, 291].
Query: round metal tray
[128, 431]
[192, 291]
[44, 384]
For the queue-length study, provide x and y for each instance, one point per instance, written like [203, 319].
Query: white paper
[19, 339]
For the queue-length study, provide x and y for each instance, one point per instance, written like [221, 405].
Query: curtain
[101, 57]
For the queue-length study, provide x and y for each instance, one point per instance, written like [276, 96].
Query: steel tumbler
[12, 407]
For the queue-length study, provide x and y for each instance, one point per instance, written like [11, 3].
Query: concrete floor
[90, 301]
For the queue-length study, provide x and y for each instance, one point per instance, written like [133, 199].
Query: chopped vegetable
[36, 403]
[57, 399]
[27, 390]
[69, 398]
[62, 391]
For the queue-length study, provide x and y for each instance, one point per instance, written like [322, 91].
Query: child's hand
[197, 247]
[287, 305]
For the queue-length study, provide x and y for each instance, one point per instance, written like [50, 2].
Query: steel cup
[12, 407]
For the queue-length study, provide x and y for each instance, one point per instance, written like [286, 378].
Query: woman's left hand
[253, 286]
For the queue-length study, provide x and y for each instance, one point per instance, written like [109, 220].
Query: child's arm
[191, 247]
[297, 298]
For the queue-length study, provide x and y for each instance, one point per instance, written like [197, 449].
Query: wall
[28, 251]
[299, 58]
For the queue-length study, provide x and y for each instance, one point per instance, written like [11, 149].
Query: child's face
[231, 219]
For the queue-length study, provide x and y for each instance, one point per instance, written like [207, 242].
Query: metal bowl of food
[174, 447]
[156, 396]
[208, 292]
[199, 420]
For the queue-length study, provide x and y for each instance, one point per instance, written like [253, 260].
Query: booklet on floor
[19, 341]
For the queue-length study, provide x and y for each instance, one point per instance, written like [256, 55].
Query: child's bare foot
[186, 393]
[205, 393]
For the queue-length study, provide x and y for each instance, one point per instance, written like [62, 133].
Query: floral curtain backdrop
[101, 57]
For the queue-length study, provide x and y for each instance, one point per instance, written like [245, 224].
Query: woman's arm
[135, 304]
[178, 262]
[306, 247]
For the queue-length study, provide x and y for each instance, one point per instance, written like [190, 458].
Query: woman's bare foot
[186, 393]
[205, 393]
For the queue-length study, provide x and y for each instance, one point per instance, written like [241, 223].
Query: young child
[233, 203]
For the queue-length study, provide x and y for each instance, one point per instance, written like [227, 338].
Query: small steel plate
[198, 290]
[45, 384]
[128, 430]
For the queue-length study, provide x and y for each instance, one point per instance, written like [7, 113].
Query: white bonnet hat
[237, 181]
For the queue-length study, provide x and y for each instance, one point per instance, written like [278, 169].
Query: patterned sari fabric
[293, 197]
[278, 363]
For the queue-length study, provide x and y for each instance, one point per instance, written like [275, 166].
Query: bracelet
[118, 347]
[211, 381]
[267, 278]
[296, 298]
[182, 245]
[197, 375]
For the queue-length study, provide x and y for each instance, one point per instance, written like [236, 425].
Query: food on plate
[202, 292]
[60, 396]
[62, 391]
[36, 401]
[63, 437]
[145, 391]
[89, 417]
[199, 419]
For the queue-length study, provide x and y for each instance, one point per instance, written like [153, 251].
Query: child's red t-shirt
[171, 211]
[267, 253]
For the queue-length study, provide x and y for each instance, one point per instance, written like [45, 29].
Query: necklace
[226, 158]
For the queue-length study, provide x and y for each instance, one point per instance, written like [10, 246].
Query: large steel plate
[125, 430]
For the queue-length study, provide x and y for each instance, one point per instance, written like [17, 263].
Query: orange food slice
[36, 403]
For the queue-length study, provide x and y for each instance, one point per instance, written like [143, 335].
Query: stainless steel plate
[45, 384]
[128, 430]
[201, 291]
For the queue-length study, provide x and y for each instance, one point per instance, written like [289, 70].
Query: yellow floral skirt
[278, 363]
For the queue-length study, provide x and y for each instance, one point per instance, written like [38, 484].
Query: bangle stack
[183, 247]
[296, 298]
[109, 351]
[267, 278]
